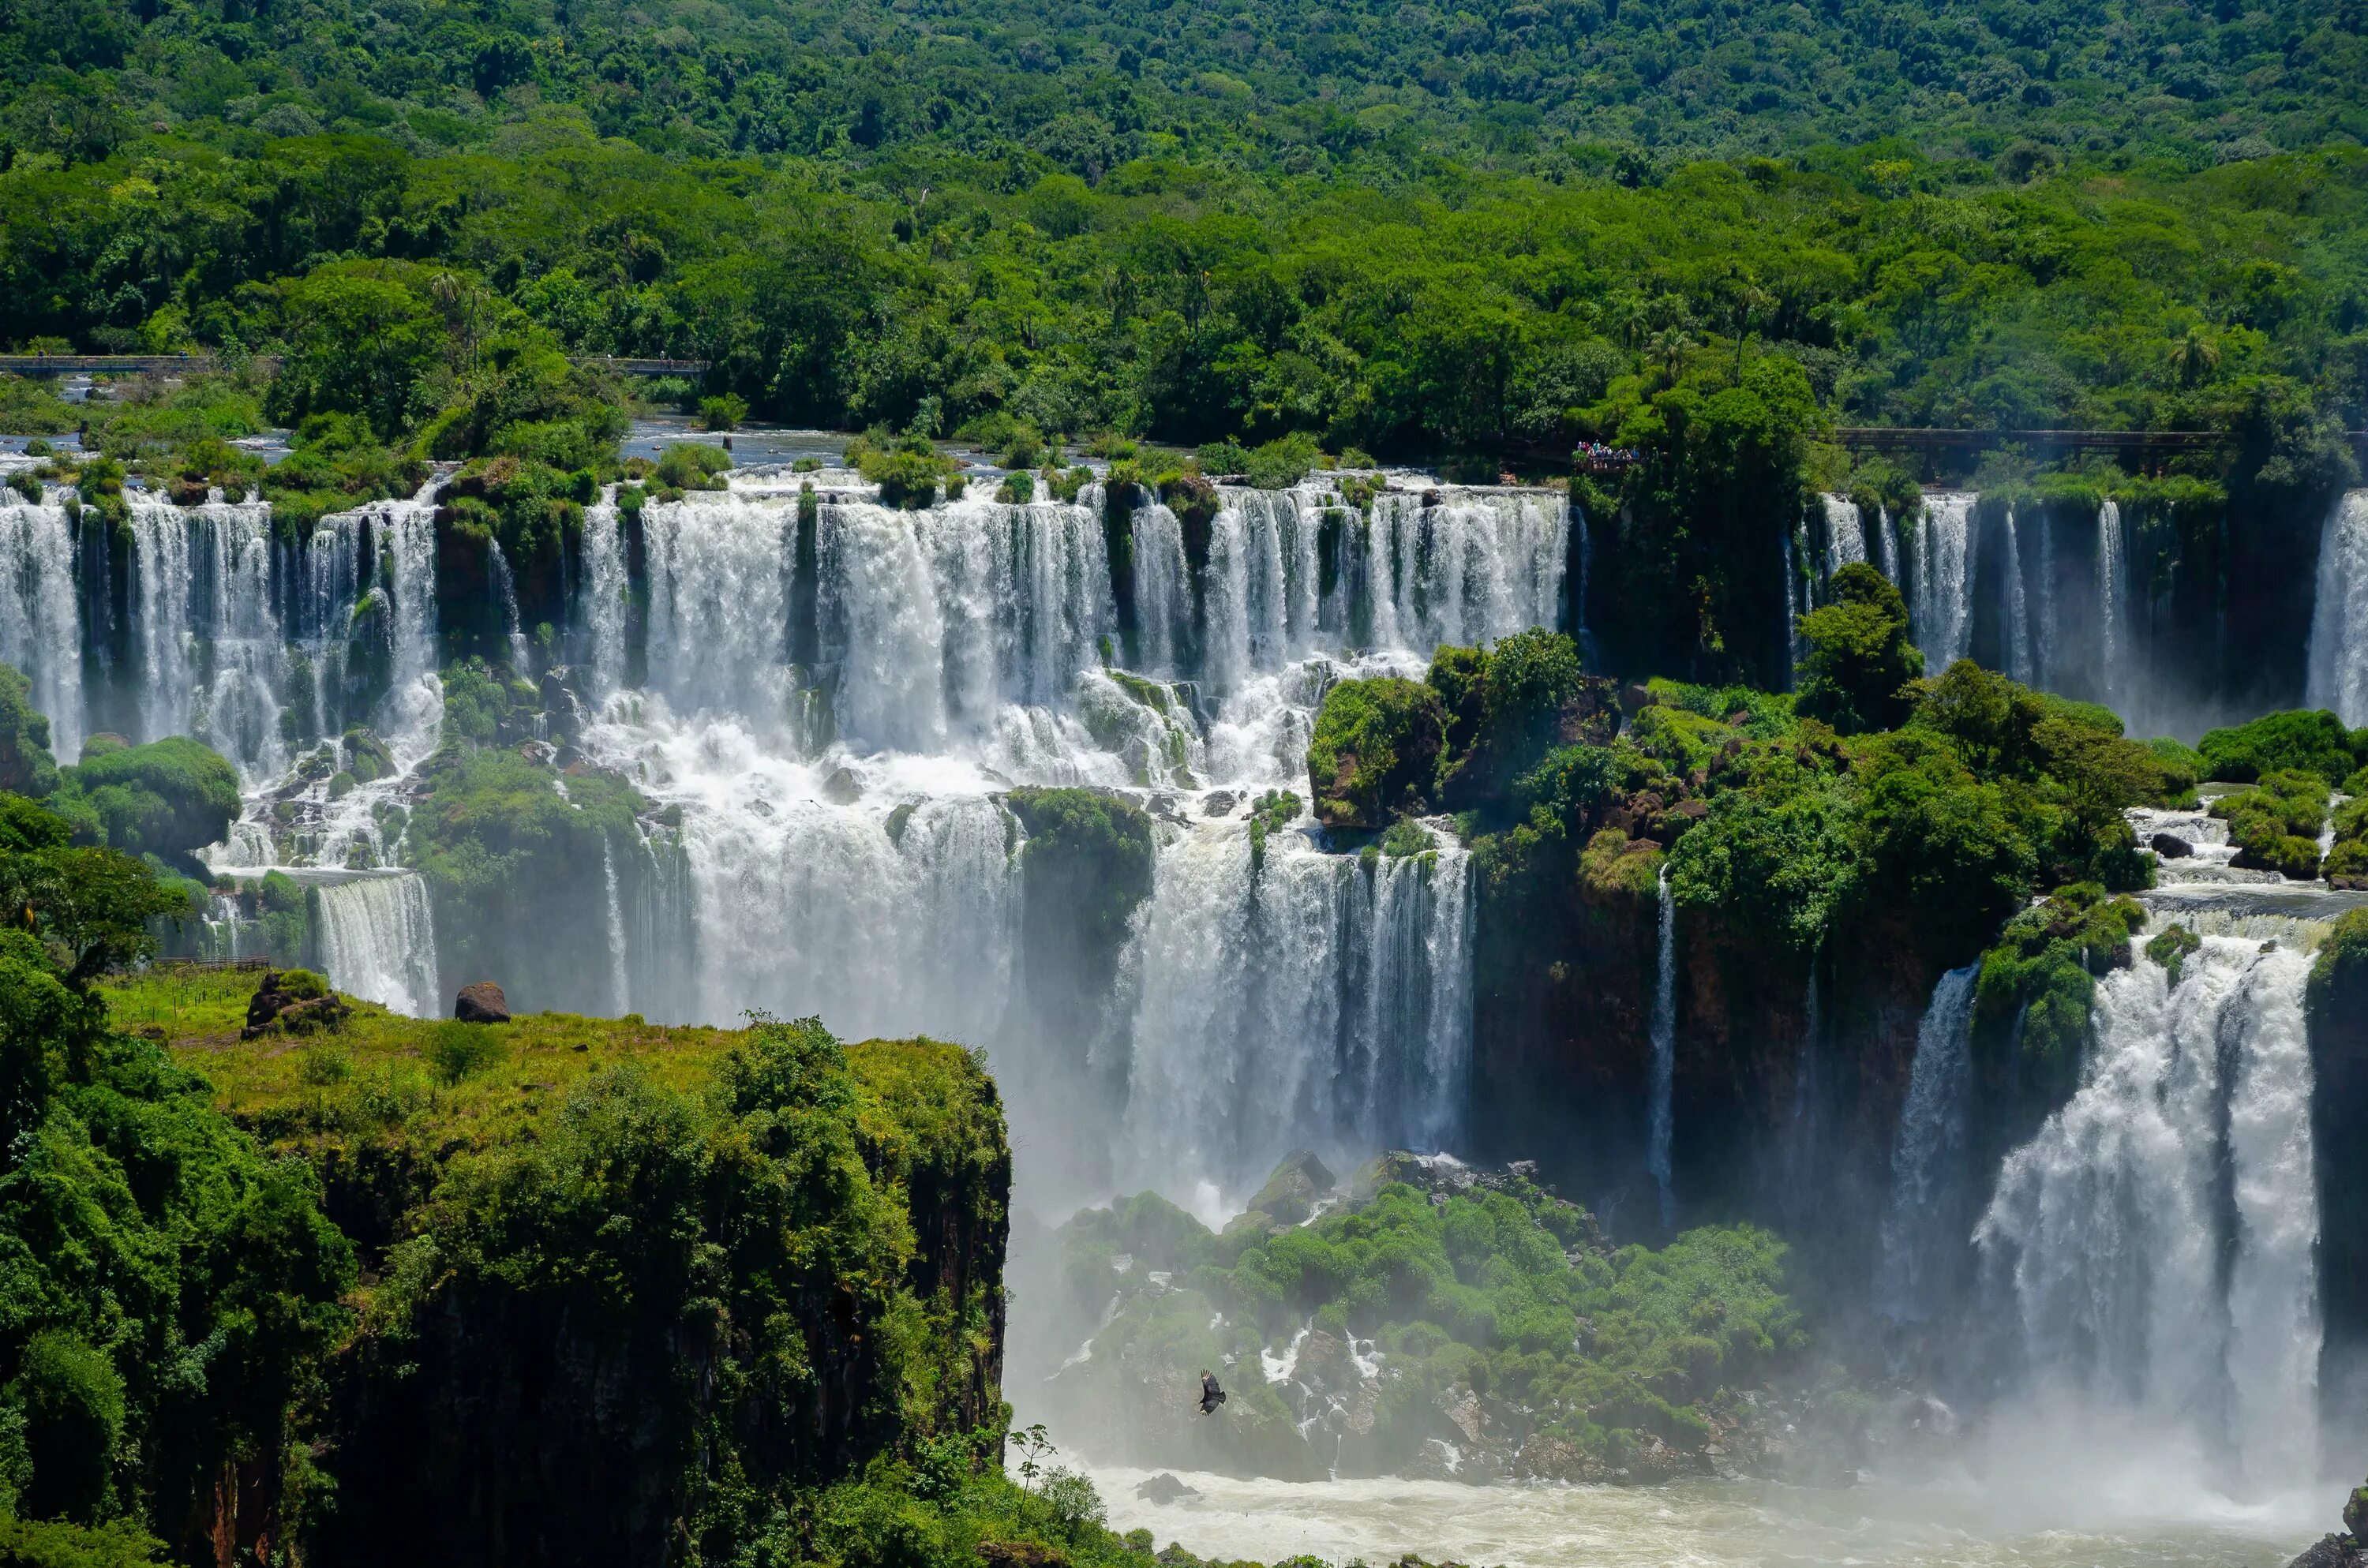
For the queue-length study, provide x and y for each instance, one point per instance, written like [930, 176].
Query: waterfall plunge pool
[2137, 1517]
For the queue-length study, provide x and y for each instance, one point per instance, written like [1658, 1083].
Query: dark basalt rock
[1165, 1489]
[293, 1001]
[2348, 1550]
[481, 1003]
[2170, 846]
[1290, 1195]
[1220, 804]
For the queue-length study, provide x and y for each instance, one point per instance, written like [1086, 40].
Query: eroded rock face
[1165, 1489]
[481, 1003]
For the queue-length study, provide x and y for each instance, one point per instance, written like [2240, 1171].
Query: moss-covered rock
[1375, 751]
[2275, 825]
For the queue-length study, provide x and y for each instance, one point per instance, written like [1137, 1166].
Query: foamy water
[1956, 1523]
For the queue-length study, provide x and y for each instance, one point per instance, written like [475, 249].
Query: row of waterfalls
[824, 704]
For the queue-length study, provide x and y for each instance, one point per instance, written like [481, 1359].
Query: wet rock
[2348, 1550]
[2170, 846]
[1291, 1193]
[842, 788]
[481, 1003]
[1165, 1489]
[1220, 804]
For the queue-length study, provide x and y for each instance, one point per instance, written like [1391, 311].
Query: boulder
[2348, 1550]
[1165, 1489]
[294, 1001]
[481, 1003]
[1291, 1193]
[2170, 846]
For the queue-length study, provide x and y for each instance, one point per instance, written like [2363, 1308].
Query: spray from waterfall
[618, 968]
[1662, 1128]
[1923, 1218]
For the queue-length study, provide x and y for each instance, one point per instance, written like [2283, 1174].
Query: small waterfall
[621, 982]
[504, 588]
[1887, 539]
[1942, 605]
[606, 590]
[2017, 611]
[40, 617]
[1662, 1130]
[1303, 998]
[1845, 534]
[1922, 1218]
[212, 652]
[2339, 623]
[1793, 648]
[2109, 599]
[378, 940]
[2157, 1235]
[1162, 584]
[1586, 578]
[2043, 619]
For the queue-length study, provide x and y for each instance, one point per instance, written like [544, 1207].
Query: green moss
[1374, 752]
[2276, 824]
[2044, 968]
[2170, 947]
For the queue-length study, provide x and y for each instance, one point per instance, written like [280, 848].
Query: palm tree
[2193, 358]
[1668, 350]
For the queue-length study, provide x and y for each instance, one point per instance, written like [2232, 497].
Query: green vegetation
[2295, 741]
[1085, 867]
[1622, 1360]
[2275, 825]
[1856, 672]
[2044, 970]
[1374, 750]
[169, 798]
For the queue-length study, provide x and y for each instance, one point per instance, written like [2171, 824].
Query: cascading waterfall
[1845, 534]
[505, 600]
[1793, 646]
[1887, 540]
[1941, 604]
[2017, 611]
[2339, 623]
[2157, 1236]
[377, 937]
[607, 588]
[212, 653]
[41, 616]
[1296, 999]
[2109, 598]
[619, 963]
[1662, 1128]
[2043, 626]
[1924, 1214]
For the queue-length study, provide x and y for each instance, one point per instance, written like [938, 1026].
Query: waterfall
[1662, 1129]
[622, 983]
[2017, 611]
[1793, 650]
[1919, 1224]
[40, 617]
[2157, 1236]
[2044, 621]
[212, 652]
[1586, 577]
[2109, 599]
[1886, 539]
[1941, 604]
[1845, 536]
[378, 940]
[505, 587]
[1310, 999]
[606, 590]
[2339, 623]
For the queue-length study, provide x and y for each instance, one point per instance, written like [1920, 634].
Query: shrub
[459, 1051]
[1016, 490]
[689, 465]
[723, 413]
[1855, 672]
[2297, 740]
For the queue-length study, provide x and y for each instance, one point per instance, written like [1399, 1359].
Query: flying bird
[1211, 1395]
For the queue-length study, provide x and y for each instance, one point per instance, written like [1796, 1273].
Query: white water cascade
[862, 865]
[2338, 623]
[377, 937]
[2109, 599]
[40, 620]
[1662, 1128]
[212, 653]
[2157, 1237]
[1941, 602]
[1886, 539]
[1928, 1154]
[2020, 662]
[1845, 534]
[505, 600]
